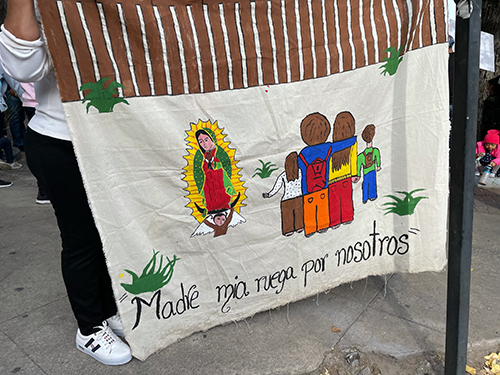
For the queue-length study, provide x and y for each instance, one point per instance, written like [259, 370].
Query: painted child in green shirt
[369, 163]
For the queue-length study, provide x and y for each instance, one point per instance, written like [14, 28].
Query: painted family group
[317, 182]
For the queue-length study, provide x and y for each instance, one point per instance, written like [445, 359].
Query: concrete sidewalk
[395, 324]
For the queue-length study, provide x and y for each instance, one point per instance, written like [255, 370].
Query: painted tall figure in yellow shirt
[342, 169]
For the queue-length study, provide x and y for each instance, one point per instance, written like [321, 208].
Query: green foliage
[392, 63]
[151, 280]
[104, 99]
[404, 206]
[266, 169]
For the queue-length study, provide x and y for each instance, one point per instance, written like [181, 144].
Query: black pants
[84, 270]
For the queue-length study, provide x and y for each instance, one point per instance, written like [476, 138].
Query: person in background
[29, 106]
[7, 84]
[16, 117]
[491, 108]
[6, 156]
[5, 183]
[29, 101]
[51, 158]
[488, 156]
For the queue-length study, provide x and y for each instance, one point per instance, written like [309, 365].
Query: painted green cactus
[265, 170]
[151, 280]
[103, 99]
[404, 206]
[392, 62]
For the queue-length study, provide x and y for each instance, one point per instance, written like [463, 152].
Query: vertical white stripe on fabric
[145, 45]
[241, 39]
[196, 47]
[71, 49]
[337, 34]
[109, 47]
[363, 33]
[88, 38]
[374, 32]
[349, 31]
[409, 6]
[273, 41]
[286, 41]
[325, 39]
[313, 39]
[128, 51]
[163, 42]
[226, 46]
[180, 44]
[386, 22]
[299, 40]
[258, 52]
[417, 26]
[212, 46]
[398, 21]
[420, 23]
[433, 22]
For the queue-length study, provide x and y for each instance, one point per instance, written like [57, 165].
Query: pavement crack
[383, 287]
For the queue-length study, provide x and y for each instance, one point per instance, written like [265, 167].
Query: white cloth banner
[215, 205]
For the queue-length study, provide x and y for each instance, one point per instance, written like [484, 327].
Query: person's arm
[277, 186]
[377, 154]
[496, 154]
[361, 163]
[353, 163]
[213, 226]
[21, 20]
[23, 53]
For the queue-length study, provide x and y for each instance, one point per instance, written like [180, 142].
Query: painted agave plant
[151, 278]
[265, 170]
[405, 206]
[392, 62]
[103, 99]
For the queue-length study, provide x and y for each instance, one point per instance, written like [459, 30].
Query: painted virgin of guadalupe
[212, 174]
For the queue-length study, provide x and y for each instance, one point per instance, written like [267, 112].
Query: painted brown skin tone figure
[221, 223]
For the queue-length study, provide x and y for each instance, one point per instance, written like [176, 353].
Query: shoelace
[106, 334]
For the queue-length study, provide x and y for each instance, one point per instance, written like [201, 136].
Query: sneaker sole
[116, 362]
[42, 202]
[2, 186]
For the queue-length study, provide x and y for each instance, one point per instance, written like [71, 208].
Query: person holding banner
[51, 158]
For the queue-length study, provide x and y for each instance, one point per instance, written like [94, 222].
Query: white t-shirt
[29, 61]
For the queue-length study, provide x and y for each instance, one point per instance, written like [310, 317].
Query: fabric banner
[241, 155]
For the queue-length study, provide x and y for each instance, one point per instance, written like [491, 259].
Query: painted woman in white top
[292, 208]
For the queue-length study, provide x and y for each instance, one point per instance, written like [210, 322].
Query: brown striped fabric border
[173, 47]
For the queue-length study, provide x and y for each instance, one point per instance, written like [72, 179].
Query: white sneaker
[104, 345]
[115, 323]
[7, 166]
[15, 165]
